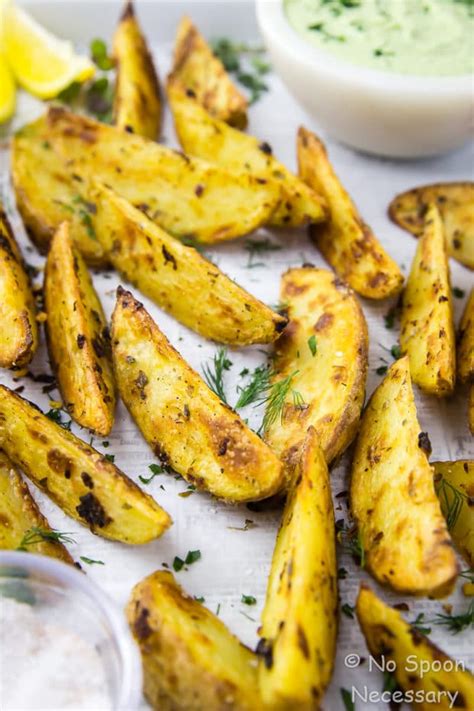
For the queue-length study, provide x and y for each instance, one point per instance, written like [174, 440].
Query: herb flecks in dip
[418, 37]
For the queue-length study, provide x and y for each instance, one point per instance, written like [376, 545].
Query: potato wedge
[203, 136]
[427, 328]
[455, 201]
[137, 103]
[86, 485]
[46, 195]
[402, 530]
[465, 354]
[324, 353]
[429, 678]
[178, 278]
[190, 659]
[182, 420]
[345, 240]
[197, 68]
[22, 525]
[299, 620]
[17, 306]
[78, 337]
[454, 484]
[185, 196]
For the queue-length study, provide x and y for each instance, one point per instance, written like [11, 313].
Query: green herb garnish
[56, 415]
[155, 469]
[256, 247]
[381, 370]
[249, 600]
[419, 623]
[191, 557]
[396, 351]
[458, 293]
[456, 623]
[313, 344]
[245, 63]
[36, 535]
[256, 388]
[348, 610]
[452, 500]
[347, 699]
[319, 27]
[275, 401]
[214, 375]
[100, 56]
[91, 561]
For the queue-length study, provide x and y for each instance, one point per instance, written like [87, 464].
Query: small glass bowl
[63, 596]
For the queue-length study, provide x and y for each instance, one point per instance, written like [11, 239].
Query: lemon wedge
[7, 91]
[42, 64]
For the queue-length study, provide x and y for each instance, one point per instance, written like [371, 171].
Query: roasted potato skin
[454, 481]
[178, 278]
[190, 659]
[86, 485]
[78, 337]
[331, 381]
[203, 136]
[390, 638]
[455, 201]
[427, 328]
[186, 196]
[402, 530]
[465, 353]
[299, 621]
[198, 69]
[46, 195]
[137, 103]
[17, 306]
[182, 420]
[19, 513]
[345, 240]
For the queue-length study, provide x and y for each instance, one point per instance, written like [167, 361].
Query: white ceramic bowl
[377, 112]
[60, 594]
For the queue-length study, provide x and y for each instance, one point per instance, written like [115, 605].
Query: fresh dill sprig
[350, 540]
[256, 247]
[214, 374]
[256, 388]
[419, 623]
[452, 501]
[467, 575]
[275, 401]
[456, 623]
[245, 62]
[56, 415]
[35, 535]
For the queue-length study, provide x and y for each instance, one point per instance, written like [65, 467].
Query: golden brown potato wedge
[137, 104]
[191, 661]
[465, 354]
[84, 483]
[427, 328]
[455, 202]
[401, 528]
[197, 68]
[22, 525]
[182, 420]
[77, 335]
[178, 278]
[299, 620]
[203, 136]
[19, 339]
[185, 196]
[454, 484]
[428, 677]
[345, 240]
[322, 355]
[46, 195]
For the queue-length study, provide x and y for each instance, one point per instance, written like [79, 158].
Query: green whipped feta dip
[418, 37]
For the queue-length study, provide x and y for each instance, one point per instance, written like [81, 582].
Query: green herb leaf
[56, 415]
[192, 557]
[99, 55]
[91, 561]
[35, 534]
[200, 599]
[257, 247]
[396, 351]
[456, 623]
[214, 374]
[348, 610]
[155, 469]
[313, 344]
[249, 600]
[256, 388]
[178, 564]
[452, 501]
[347, 700]
[235, 58]
[275, 401]
[419, 624]
[70, 93]
[110, 457]
[381, 370]
[458, 293]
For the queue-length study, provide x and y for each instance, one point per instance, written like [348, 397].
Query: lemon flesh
[41, 63]
[7, 91]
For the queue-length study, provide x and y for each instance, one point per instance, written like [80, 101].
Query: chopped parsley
[313, 344]
[458, 293]
[155, 469]
[56, 415]
[249, 600]
[191, 557]
[348, 610]
[381, 370]
[319, 27]
[396, 351]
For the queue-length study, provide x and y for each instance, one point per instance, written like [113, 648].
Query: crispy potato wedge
[197, 68]
[345, 240]
[324, 351]
[46, 195]
[203, 136]
[190, 659]
[173, 274]
[466, 342]
[427, 328]
[137, 103]
[402, 530]
[17, 306]
[455, 202]
[182, 420]
[185, 196]
[454, 484]
[78, 337]
[86, 485]
[299, 620]
[20, 516]
[420, 666]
